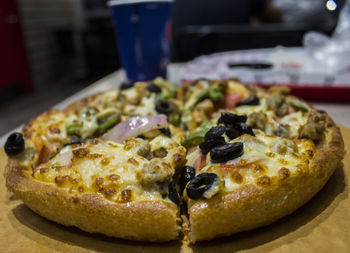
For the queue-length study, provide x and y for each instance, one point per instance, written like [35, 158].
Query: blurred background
[51, 49]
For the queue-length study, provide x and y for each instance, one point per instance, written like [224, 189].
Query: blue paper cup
[143, 30]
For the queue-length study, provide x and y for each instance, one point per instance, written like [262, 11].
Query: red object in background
[340, 94]
[13, 61]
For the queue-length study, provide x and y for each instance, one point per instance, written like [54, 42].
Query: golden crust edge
[255, 206]
[138, 220]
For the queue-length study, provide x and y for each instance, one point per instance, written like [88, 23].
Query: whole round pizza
[151, 161]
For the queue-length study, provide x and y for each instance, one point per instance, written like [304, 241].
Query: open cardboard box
[322, 225]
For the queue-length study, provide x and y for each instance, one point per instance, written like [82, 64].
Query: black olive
[226, 152]
[200, 184]
[165, 131]
[188, 173]
[14, 144]
[126, 85]
[246, 129]
[207, 145]
[227, 118]
[173, 194]
[253, 100]
[164, 106]
[234, 131]
[214, 132]
[153, 88]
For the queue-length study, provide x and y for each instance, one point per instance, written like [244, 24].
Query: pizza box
[293, 67]
[322, 225]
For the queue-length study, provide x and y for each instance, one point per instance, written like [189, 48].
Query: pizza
[151, 161]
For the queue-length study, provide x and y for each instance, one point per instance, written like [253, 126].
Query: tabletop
[340, 112]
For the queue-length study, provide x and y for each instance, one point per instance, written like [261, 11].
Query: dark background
[52, 49]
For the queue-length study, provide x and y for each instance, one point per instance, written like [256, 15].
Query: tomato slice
[231, 99]
[200, 162]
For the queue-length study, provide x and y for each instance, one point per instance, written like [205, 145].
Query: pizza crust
[253, 206]
[139, 220]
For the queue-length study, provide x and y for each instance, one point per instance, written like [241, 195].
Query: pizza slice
[121, 188]
[241, 178]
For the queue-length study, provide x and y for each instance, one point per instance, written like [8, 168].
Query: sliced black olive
[246, 129]
[226, 152]
[188, 172]
[173, 194]
[14, 144]
[234, 131]
[253, 100]
[153, 88]
[228, 118]
[164, 106]
[207, 145]
[126, 85]
[214, 132]
[165, 131]
[200, 184]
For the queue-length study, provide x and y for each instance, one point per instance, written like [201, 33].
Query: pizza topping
[88, 112]
[298, 105]
[74, 128]
[153, 88]
[126, 85]
[156, 171]
[197, 137]
[173, 194]
[207, 145]
[138, 146]
[234, 131]
[107, 119]
[134, 127]
[278, 104]
[171, 89]
[214, 132]
[212, 138]
[314, 127]
[214, 93]
[203, 185]
[283, 130]
[164, 106]
[230, 100]
[227, 118]
[14, 144]
[226, 152]
[202, 111]
[257, 120]
[253, 100]
[188, 173]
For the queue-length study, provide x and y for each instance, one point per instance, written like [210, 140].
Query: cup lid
[120, 2]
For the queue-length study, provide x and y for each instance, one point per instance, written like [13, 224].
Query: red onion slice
[134, 127]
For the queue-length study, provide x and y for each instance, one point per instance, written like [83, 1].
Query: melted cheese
[116, 171]
[265, 159]
[295, 121]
